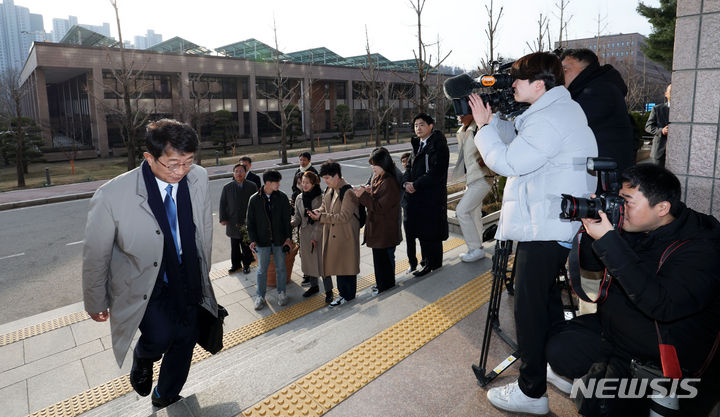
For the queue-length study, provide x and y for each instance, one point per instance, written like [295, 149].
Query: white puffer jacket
[544, 159]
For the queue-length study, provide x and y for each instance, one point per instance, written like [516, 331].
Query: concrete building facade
[71, 91]
[692, 146]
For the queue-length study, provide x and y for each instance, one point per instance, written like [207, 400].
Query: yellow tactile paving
[338, 379]
[94, 397]
[34, 330]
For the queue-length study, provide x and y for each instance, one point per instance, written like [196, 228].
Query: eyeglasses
[175, 167]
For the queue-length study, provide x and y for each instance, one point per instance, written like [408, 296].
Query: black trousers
[347, 286]
[410, 247]
[432, 252]
[240, 253]
[384, 268]
[538, 308]
[172, 337]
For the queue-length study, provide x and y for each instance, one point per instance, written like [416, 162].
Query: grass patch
[103, 169]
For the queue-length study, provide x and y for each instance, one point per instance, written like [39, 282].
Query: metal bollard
[47, 177]
[217, 158]
[329, 147]
[280, 153]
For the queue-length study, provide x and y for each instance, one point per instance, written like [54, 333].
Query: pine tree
[661, 42]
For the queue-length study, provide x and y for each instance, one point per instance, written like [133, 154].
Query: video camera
[576, 208]
[501, 100]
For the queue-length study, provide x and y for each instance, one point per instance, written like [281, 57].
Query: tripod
[503, 249]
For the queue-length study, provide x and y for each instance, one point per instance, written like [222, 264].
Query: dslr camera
[609, 201]
[501, 96]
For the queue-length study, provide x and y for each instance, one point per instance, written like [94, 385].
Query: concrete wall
[692, 148]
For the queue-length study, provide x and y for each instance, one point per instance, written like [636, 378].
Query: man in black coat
[657, 125]
[600, 91]
[425, 184]
[665, 285]
[251, 176]
[232, 212]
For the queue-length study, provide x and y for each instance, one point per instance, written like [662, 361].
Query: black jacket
[254, 178]
[264, 230]
[233, 206]
[601, 91]
[427, 170]
[683, 295]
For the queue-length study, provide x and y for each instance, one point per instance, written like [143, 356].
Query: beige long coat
[124, 248]
[341, 233]
[310, 260]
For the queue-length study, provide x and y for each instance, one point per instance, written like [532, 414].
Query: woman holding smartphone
[311, 235]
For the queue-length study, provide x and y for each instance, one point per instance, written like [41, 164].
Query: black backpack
[361, 209]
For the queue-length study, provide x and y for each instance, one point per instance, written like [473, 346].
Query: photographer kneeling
[542, 154]
[676, 299]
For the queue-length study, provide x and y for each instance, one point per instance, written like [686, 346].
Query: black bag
[210, 329]
[362, 211]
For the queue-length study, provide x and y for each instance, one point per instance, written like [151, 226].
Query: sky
[340, 25]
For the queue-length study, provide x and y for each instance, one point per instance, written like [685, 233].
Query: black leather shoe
[423, 262]
[311, 291]
[328, 297]
[422, 272]
[233, 269]
[162, 402]
[141, 376]
[246, 270]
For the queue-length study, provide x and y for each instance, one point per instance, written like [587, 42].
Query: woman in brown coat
[382, 234]
[341, 232]
[311, 233]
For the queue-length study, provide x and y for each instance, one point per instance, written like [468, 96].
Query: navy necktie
[171, 212]
[422, 145]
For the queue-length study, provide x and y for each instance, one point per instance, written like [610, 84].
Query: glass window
[340, 90]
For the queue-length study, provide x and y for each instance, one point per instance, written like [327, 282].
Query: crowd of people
[146, 258]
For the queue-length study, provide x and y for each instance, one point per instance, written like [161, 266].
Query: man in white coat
[543, 155]
[146, 259]
[477, 179]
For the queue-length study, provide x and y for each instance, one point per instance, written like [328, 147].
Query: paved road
[41, 248]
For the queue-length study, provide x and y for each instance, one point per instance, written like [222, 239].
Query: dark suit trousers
[347, 286]
[538, 308]
[410, 246]
[384, 265]
[172, 338]
[432, 252]
[240, 253]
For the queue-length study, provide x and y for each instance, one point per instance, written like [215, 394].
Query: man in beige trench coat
[146, 259]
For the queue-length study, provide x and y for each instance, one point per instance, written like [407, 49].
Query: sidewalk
[57, 193]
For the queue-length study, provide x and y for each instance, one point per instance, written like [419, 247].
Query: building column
[692, 145]
[240, 108]
[43, 106]
[183, 97]
[349, 95]
[98, 119]
[252, 91]
[307, 88]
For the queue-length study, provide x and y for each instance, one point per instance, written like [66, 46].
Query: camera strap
[574, 273]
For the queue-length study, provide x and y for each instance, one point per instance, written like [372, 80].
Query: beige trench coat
[124, 247]
[310, 261]
[341, 233]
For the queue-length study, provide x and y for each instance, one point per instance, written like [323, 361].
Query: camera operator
[681, 295]
[542, 153]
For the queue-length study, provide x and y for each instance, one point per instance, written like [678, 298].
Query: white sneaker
[282, 298]
[558, 381]
[511, 398]
[337, 302]
[259, 303]
[473, 255]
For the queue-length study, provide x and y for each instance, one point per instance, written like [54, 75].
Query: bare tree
[441, 104]
[543, 36]
[11, 96]
[601, 28]
[491, 34]
[131, 114]
[195, 109]
[562, 6]
[421, 61]
[285, 96]
[317, 104]
[376, 92]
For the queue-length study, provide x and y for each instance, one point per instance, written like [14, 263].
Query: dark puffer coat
[600, 91]
[683, 295]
